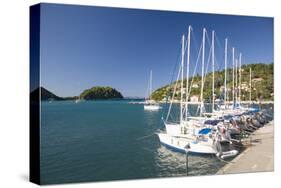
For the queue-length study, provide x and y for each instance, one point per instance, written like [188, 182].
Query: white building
[195, 86]
[194, 98]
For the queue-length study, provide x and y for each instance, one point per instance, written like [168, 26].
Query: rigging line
[208, 40]
[173, 74]
[218, 66]
[219, 58]
[204, 78]
[229, 57]
[208, 63]
[204, 73]
[196, 65]
[170, 106]
[181, 68]
[147, 89]
[218, 41]
[195, 41]
[207, 37]
[220, 48]
[175, 87]
[197, 60]
[209, 57]
[196, 46]
[176, 64]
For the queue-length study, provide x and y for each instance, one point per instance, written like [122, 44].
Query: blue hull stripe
[173, 148]
[182, 150]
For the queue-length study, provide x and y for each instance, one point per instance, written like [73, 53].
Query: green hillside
[262, 84]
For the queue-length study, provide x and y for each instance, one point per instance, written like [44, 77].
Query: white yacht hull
[152, 107]
[180, 144]
[184, 144]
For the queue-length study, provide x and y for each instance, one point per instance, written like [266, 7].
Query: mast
[187, 72]
[150, 88]
[182, 66]
[236, 83]
[250, 85]
[233, 87]
[240, 61]
[202, 76]
[213, 69]
[225, 72]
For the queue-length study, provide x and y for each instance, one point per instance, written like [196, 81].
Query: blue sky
[84, 46]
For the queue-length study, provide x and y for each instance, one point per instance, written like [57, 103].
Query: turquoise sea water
[108, 140]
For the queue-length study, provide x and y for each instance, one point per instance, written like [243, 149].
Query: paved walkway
[259, 157]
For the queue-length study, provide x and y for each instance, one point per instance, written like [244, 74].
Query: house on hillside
[257, 79]
[194, 98]
[222, 89]
[244, 86]
[195, 86]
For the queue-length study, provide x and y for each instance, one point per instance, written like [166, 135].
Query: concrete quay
[258, 157]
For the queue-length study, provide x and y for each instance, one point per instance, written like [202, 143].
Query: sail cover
[205, 131]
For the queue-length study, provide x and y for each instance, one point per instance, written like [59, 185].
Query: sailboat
[188, 135]
[225, 109]
[77, 100]
[249, 108]
[150, 104]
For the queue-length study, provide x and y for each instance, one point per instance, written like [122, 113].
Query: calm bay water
[109, 140]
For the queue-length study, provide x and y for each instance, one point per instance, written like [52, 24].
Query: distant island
[99, 92]
[94, 93]
[48, 95]
[262, 85]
